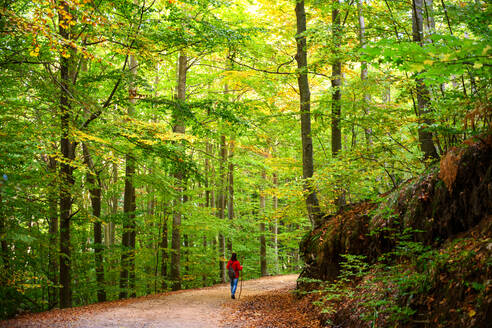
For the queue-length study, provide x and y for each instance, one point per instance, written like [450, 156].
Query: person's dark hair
[234, 257]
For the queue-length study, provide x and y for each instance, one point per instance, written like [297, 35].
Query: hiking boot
[233, 297]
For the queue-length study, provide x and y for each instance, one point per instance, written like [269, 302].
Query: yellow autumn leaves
[34, 52]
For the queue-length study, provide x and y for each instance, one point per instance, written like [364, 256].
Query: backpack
[232, 273]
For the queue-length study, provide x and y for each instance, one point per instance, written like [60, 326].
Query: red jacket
[236, 266]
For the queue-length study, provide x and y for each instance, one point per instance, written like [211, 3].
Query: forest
[144, 141]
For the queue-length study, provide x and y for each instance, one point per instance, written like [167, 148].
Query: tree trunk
[263, 260]
[53, 235]
[164, 251]
[423, 95]
[336, 82]
[186, 244]
[186, 237]
[127, 273]
[94, 182]
[4, 246]
[109, 227]
[312, 203]
[363, 68]
[67, 149]
[213, 206]
[179, 127]
[149, 223]
[176, 242]
[336, 96]
[230, 200]
[275, 224]
[221, 207]
[208, 202]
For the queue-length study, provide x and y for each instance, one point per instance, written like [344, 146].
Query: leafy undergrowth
[420, 257]
[415, 286]
[434, 207]
[276, 309]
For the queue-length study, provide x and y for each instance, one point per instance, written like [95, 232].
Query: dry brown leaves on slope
[275, 309]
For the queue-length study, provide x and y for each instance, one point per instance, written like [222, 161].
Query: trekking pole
[241, 285]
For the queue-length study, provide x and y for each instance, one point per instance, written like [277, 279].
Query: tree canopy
[141, 142]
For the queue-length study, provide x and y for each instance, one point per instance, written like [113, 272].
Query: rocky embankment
[431, 235]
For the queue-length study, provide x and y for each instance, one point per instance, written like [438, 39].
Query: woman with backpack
[234, 267]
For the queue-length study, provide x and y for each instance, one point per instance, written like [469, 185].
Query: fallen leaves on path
[274, 309]
[194, 308]
[62, 318]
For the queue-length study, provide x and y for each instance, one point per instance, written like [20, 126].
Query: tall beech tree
[51, 165]
[275, 223]
[423, 94]
[336, 80]
[127, 273]
[221, 202]
[363, 67]
[178, 175]
[67, 149]
[312, 202]
[230, 190]
[261, 217]
[164, 246]
[93, 179]
[4, 245]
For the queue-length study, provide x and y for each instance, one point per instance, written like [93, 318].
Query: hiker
[234, 267]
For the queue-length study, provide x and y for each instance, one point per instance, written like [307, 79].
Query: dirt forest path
[196, 308]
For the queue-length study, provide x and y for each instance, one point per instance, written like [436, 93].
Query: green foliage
[241, 84]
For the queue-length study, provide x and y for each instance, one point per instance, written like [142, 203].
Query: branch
[108, 101]
[259, 69]
[274, 72]
[348, 11]
[73, 214]
[395, 23]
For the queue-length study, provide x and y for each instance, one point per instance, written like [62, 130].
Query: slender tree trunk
[336, 96]
[164, 251]
[94, 183]
[423, 94]
[109, 227]
[230, 203]
[208, 202]
[208, 150]
[149, 222]
[66, 169]
[229, 199]
[221, 207]
[312, 203]
[186, 237]
[263, 260]
[179, 127]
[430, 24]
[4, 246]
[176, 245]
[275, 223]
[157, 259]
[53, 235]
[213, 206]
[127, 273]
[186, 244]
[363, 68]
[336, 83]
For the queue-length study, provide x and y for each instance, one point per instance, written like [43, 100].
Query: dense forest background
[142, 142]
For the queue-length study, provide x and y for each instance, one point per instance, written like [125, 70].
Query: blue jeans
[234, 285]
